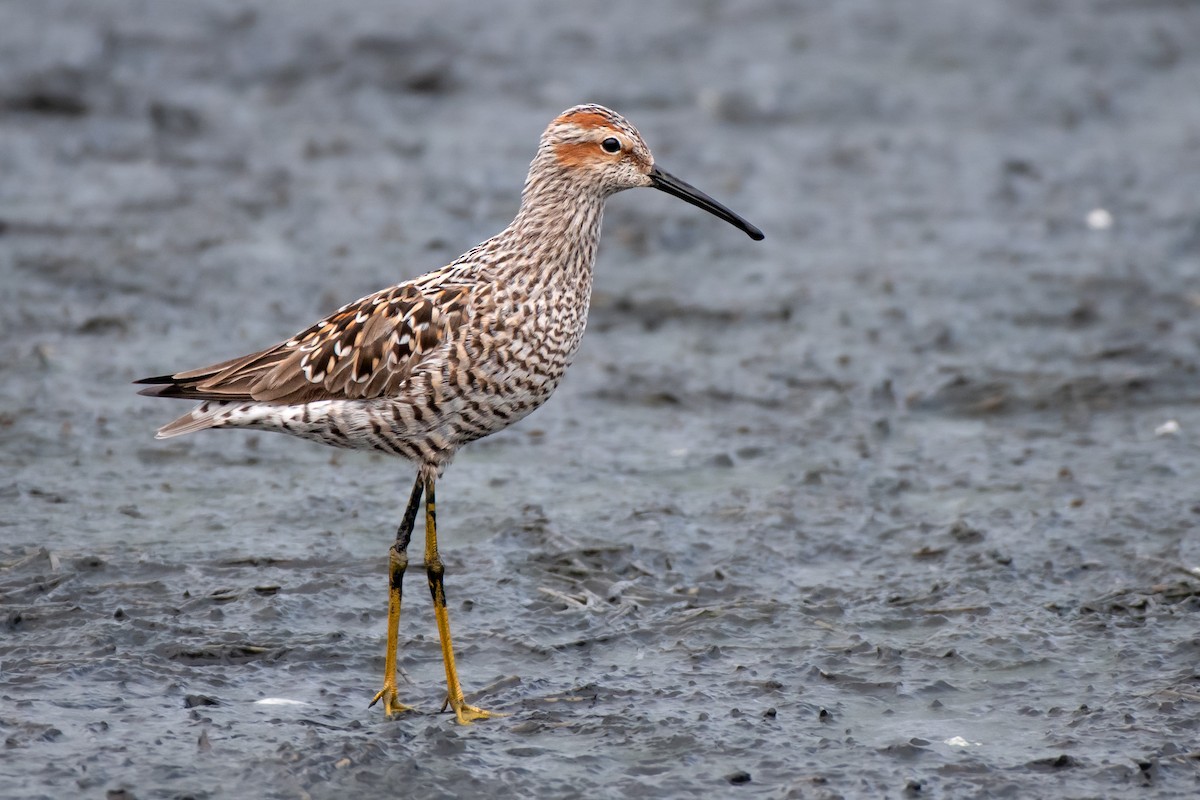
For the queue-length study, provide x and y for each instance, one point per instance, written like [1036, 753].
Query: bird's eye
[611, 145]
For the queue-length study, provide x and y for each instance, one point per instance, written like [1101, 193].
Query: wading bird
[422, 368]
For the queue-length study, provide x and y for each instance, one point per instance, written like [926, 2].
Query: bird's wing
[366, 349]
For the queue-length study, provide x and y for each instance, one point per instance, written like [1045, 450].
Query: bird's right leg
[434, 571]
[397, 563]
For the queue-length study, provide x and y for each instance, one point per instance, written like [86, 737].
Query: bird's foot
[467, 714]
[391, 705]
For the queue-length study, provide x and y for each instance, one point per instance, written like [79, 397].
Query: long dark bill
[666, 182]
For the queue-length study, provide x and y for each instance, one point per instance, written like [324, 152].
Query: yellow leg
[397, 563]
[434, 570]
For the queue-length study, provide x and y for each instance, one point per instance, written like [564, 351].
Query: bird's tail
[212, 411]
[204, 416]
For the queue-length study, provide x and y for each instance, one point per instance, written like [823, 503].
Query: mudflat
[902, 501]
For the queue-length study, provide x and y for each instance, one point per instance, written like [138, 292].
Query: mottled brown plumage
[424, 367]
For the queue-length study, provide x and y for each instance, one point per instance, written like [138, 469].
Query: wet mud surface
[900, 502]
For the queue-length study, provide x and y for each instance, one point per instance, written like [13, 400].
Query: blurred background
[901, 501]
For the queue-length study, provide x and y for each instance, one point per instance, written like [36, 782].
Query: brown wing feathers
[366, 349]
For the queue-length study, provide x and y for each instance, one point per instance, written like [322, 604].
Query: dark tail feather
[187, 385]
[169, 386]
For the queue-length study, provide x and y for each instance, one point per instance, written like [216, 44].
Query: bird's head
[597, 149]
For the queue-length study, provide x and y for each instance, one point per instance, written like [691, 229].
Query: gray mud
[901, 502]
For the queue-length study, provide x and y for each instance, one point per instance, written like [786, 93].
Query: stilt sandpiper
[419, 369]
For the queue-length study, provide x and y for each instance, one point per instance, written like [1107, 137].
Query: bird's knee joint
[435, 569]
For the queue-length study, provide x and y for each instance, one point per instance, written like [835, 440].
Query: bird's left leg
[434, 571]
[397, 563]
